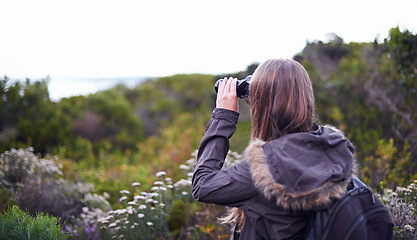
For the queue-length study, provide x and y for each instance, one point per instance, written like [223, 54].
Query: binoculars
[242, 87]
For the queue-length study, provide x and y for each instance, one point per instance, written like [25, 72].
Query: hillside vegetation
[105, 141]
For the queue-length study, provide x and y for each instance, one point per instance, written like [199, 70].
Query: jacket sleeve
[211, 184]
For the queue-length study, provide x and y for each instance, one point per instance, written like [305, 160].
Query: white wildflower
[163, 188]
[136, 184]
[120, 211]
[139, 197]
[184, 167]
[183, 183]
[409, 228]
[112, 225]
[132, 203]
[184, 193]
[149, 223]
[124, 192]
[141, 207]
[154, 188]
[122, 199]
[149, 200]
[141, 215]
[106, 195]
[162, 205]
[85, 209]
[160, 174]
[191, 161]
[158, 183]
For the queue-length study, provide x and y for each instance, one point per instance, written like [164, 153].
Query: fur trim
[315, 199]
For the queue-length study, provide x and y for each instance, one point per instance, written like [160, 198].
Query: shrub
[16, 224]
[402, 204]
[34, 183]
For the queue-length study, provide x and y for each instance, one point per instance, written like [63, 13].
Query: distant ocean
[67, 87]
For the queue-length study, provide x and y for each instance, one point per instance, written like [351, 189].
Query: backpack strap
[319, 219]
[365, 215]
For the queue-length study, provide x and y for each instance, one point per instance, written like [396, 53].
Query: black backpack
[359, 214]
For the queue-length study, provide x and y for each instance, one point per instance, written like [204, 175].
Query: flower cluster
[38, 185]
[402, 205]
[145, 214]
[19, 164]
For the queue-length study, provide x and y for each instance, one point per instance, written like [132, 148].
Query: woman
[291, 165]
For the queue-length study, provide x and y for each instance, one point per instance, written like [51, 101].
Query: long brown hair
[282, 102]
[281, 99]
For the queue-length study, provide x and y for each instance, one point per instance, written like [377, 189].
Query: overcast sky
[105, 39]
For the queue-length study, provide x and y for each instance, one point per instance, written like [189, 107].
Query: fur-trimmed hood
[302, 171]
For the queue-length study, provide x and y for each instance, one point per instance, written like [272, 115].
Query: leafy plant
[19, 225]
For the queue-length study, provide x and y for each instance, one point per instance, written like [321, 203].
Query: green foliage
[177, 218]
[174, 144]
[16, 224]
[24, 105]
[121, 127]
[159, 102]
[402, 47]
[7, 198]
[386, 168]
[369, 92]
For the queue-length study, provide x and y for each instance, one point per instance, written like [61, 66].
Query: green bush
[35, 184]
[17, 224]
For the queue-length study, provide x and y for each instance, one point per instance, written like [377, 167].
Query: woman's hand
[226, 95]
